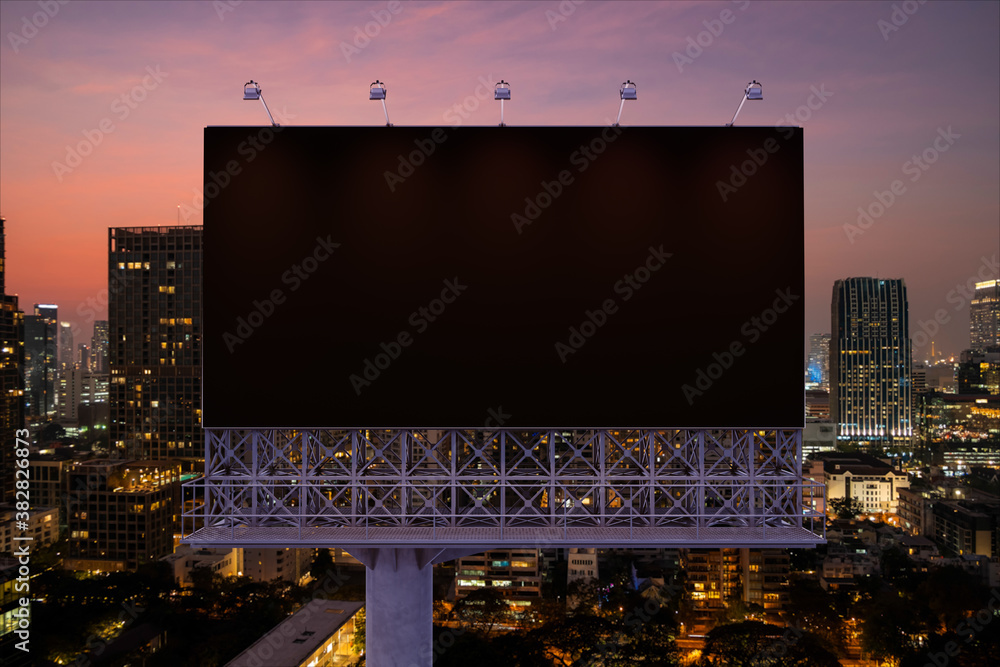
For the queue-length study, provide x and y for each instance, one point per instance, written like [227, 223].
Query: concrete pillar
[399, 608]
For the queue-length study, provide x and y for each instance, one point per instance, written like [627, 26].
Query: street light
[753, 92]
[501, 92]
[376, 91]
[251, 91]
[627, 92]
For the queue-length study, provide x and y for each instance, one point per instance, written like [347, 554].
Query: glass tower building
[871, 392]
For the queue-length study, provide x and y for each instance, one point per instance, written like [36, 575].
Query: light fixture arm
[273, 124]
[386, 112]
[620, 107]
[730, 124]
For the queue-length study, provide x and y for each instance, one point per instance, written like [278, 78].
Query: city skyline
[899, 110]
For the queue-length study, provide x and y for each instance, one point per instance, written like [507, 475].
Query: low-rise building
[871, 481]
[42, 527]
[964, 527]
[318, 635]
[516, 573]
[226, 562]
[269, 564]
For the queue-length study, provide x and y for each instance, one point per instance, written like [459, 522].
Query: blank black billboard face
[532, 277]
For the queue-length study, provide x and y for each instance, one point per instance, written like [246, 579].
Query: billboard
[516, 277]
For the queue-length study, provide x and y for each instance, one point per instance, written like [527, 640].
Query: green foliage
[360, 625]
[847, 508]
[756, 644]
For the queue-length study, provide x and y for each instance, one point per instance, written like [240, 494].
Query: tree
[847, 508]
[358, 640]
[322, 563]
[483, 609]
[890, 627]
[756, 644]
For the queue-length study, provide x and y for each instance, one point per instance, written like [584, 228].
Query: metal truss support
[426, 489]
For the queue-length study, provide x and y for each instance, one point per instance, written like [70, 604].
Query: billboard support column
[399, 605]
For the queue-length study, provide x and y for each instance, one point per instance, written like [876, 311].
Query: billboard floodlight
[627, 92]
[501, 92]
[754, 91]
[251, 91]
[376, 91]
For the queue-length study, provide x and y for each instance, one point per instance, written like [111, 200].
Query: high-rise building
[984, 316]
[120, 513]
[819, 362]
[67, 351]
[11, 376]
[83, 357]
[154, 314]
[77, 388]
[871, 398]
[99, 347]
[40, 336]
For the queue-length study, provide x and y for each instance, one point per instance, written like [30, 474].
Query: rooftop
[314, 623]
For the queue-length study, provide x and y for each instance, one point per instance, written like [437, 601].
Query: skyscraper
[819, 361]
[984, 316]
[40, 334]
[154, 313]
[11, 379]
[870, 362]
[67, 351]
[99, 347]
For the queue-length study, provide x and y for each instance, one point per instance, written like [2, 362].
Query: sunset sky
[886, 82]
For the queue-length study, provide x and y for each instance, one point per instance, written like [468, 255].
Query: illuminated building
[319, 634]
[40, 334]
[870, 481]
[513, 572]
[42, 528]
[870, 362]
[227, 562]
[269, 564]
[819, 362]
[120, 513]
[979, 372]
[984, 316]
[99, 347]
[67, 356]
[961, 417]
[78, 387]
[11, 382]
[968, 527]
[154, 311]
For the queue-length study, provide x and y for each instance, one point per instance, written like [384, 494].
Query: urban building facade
[154, 312]
[99, 347]
[12, 367]
[270, 564]
[818, 376]
[984, 316]
[514, 572]
[225, 562]
[320, 634]
[42, 526]
[870, 362]
[874, 483]
[120, 513]
[40, 336]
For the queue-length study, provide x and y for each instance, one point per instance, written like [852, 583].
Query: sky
[103, 105]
